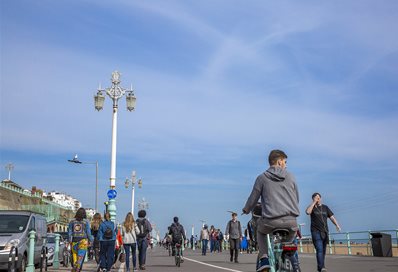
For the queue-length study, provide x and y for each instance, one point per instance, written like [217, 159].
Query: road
[158, 260]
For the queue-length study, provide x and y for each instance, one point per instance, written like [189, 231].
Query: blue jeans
[204, 246]
[320, 241]
[107, 254]
[133, 252]
[142, 246]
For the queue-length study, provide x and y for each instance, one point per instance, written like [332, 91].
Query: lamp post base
[112, 209]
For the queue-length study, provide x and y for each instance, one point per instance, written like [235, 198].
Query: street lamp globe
[99, 100]
[140, 183]
[130, 101]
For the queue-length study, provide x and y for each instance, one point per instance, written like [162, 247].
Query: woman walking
[107, 237]
[129, 232]
[79, 235]
[95, 224]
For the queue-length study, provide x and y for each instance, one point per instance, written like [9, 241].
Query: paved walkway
[158, 260]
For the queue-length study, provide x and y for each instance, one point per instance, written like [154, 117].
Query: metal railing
[351, 243]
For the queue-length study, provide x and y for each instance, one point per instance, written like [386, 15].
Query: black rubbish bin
[381, 244]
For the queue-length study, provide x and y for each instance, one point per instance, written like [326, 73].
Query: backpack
[108, 233]
[141, 224]
[176, 231]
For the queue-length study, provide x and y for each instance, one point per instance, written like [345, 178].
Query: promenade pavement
[158, 260]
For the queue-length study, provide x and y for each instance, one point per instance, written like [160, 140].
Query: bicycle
[178, 254]
[281, 252]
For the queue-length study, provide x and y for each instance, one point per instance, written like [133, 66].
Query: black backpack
[108, 234]
[141, 224]
[176, 231]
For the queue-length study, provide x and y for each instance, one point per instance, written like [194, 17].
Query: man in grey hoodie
[279, 202]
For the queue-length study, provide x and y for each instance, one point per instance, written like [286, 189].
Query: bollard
[56, 252]
[31, 254]
[330, 244]
[13, 265]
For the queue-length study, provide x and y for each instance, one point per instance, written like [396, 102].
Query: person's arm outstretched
[333, 219]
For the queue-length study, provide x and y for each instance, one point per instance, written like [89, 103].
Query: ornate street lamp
[132, 181]
[115, 92]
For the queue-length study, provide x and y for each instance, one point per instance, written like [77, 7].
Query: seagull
[75, 159]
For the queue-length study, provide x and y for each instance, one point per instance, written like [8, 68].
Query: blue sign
[112, 194]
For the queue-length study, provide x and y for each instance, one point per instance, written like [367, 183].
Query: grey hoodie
[279, 194]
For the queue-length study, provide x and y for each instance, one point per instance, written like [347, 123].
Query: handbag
[122, 257]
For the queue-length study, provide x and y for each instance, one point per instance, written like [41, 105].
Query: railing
[351, 243]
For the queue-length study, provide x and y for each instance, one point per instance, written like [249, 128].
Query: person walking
[129, 232]
[204, 237]
[279, 204]
[95, 223]
[79, 235]
[142, 238]
[319, 228]
[234, 234]
[107, 237]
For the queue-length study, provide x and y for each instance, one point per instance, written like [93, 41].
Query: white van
[14, 231]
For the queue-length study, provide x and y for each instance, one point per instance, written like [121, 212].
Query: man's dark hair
[315, 194]
[80, 214]
[141, 213]
[276, 155]
[175, 219]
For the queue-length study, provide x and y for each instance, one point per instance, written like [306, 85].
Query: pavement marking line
[215, 266]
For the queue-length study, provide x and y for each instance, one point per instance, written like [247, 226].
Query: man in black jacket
[178, 234]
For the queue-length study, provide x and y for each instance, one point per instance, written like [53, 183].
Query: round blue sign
[112, 194]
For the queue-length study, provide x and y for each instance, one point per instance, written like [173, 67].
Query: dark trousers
[142, 246]
[133, 252]
[234, 246]
[107, 254]
[320, 241]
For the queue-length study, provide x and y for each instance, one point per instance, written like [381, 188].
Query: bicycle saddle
[282, 232]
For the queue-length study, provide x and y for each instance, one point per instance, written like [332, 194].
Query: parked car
[14, 231]
[51, 249]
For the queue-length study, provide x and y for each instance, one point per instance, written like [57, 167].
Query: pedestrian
[234, 234]
[129, 234]
[319, 228]
[95, 223]
[142, 238]
[204, 237]
[220, 239]
[80, 236]
[107, 237]
[279, 204]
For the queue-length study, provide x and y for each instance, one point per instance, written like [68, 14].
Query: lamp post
[115, 92]
[143, 204]
[126, 184]
[76, 160]
[9, 168]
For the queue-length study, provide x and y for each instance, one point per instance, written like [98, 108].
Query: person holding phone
[319, 228]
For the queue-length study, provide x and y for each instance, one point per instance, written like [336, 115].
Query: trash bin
[381, 244]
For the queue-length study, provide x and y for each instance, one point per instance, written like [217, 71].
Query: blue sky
[218, 85]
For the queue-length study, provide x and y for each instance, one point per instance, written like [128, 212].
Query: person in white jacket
[129, 232]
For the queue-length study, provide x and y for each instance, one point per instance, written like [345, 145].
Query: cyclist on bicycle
[279, 200]
[178, 234]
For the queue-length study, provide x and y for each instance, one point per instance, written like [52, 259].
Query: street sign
[112, 194]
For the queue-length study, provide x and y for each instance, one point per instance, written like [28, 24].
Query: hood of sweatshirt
[276, 174]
